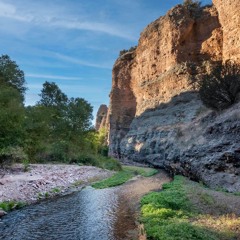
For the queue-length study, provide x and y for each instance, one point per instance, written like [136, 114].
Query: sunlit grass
[11, 205]
[171, 215]
[124, 175]
[143, 171]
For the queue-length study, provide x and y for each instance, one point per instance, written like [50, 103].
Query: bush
[221, 87]
[10, 155]
[131, 49]
[192, 4]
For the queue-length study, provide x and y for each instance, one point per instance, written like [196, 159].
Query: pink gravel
[44, 179]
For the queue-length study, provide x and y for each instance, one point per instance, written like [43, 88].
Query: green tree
[11, 117]
[11, 75]
[79, 115]
[51, 95]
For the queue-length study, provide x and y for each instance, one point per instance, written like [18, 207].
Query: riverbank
[46, 180]
[189, 210]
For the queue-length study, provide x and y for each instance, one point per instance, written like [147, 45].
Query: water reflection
[107, 214]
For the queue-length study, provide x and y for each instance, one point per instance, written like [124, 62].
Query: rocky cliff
[155, 116]
[101, 118]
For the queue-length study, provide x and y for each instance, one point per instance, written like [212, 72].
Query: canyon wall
[156, 117]
[229, 18]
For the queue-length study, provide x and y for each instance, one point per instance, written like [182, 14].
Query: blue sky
[73, 43]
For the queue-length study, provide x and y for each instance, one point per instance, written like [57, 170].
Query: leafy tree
[51, 95]
[11, 117]
[79, 115]
[11, 75]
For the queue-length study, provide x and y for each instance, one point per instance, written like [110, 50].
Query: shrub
[194, 7]
[10, 155]
[192, 4]
[220, 88]
[131, 49]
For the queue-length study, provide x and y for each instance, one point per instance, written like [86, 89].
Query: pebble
[2, 213]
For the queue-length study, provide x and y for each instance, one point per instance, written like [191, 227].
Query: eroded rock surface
[154, 114]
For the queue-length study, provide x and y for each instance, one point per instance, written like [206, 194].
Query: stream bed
[90, 214]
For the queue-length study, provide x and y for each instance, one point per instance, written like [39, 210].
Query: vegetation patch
[11, 205]
[97, 160]
[124, 175]
[143, 171]
[171, 214]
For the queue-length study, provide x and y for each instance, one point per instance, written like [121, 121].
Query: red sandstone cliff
[153, 108]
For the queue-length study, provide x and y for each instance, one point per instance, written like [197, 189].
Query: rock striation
[156, 117]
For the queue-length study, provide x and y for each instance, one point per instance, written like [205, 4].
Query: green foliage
[97, 161]
[11, 117]
[192, 4]
[167, 214]
[51, 95]
[10, 155]
[123, 176]
[143, 171]
[58, 128]
[221, 87]
[26, 166]
[11, 205]
[131, 49]
[11, 75]
[55, 129]
[117, 179]
[55, 190]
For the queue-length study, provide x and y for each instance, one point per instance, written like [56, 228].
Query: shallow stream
[90, 214]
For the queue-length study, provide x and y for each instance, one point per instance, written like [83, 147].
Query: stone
[2, 213]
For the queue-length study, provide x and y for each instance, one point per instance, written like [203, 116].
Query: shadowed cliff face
[153, 108]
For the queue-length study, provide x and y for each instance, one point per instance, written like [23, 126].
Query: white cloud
[81, 62]
[49, 18]
[56, 77]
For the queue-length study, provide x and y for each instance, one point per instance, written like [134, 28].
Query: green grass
[117, 179]
[123, 176]
[146, 172]
[169, 215]
[11, 205]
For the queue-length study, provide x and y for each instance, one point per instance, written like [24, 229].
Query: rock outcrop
[229, 18]
[155, 116]
[101, 117]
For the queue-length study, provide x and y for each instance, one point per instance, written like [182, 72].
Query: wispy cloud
[52, 19]
[81, 62]
[54, 77]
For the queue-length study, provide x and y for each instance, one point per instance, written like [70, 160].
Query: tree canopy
[11, 75]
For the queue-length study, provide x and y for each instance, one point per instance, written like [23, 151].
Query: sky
[74, 43]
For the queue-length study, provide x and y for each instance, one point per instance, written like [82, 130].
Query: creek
[90, 214]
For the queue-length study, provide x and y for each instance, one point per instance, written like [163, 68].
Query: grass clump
[170, 215]
[124, 175]
[117, 179]
[145, 172]
[11, 205]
